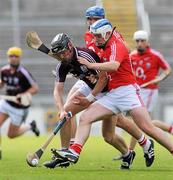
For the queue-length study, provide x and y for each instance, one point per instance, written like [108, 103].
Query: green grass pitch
[95, 162]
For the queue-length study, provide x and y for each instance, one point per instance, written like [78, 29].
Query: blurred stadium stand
[122, 14]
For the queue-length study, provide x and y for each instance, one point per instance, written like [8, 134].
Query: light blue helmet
[95, 12]
[101, 26]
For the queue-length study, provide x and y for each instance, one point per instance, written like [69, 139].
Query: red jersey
[116, 50]
[147, 65]
[90, 44]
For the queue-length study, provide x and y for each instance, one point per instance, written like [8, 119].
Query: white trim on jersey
[5, 67]
[113, 52]
[27, 75]
[57, 71]
[158, 54]
[88, 57]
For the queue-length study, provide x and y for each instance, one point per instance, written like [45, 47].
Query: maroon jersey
[76, 69]
[18, 82]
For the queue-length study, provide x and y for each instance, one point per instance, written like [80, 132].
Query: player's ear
[70, 45]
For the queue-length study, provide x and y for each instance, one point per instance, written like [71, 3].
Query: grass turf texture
[95, 162]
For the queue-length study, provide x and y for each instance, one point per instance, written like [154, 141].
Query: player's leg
[108, 130]
[129, 126]
[143, 120]
[94, 112]
[69, 127]
[3, 118]
[16, 127]
[65, 133]
[164, 126]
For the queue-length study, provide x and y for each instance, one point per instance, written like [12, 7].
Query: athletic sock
[144, 142]
[126, 154]
[72, 141]
[171, 129]
[76, 148]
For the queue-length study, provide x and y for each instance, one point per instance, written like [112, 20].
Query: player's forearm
[59, 102]
[58, 90]
[101, 83]
[165, 74]
[33, 90]
[107, 66]
[1, 84]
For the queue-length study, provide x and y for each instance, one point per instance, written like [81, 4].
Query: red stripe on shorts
[149, 99]
[138, 94]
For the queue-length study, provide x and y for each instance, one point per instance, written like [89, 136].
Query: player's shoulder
[133, 52]
[84, 51]
[88, 34]
[156, 53]
[24, 71]
[5, 68]
[22, 68]
[88, 54]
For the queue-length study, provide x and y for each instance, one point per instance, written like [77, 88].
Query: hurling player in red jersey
[123, 95]
[17, 81]
[147, 63]
[93, 14]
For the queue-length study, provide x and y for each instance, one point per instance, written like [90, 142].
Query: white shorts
[17, 116]
[78, 84]
[149, 97]
[122, 99]
[86, 90]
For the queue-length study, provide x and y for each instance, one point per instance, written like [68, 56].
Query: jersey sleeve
[161, 61]
[28, 76]
[61, 72]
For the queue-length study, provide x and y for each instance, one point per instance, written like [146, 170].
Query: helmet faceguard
[101, 26]
[60, 43]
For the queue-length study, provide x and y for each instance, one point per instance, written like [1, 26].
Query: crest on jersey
[16, 80]
[148, 65]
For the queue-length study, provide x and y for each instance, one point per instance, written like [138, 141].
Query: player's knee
[108, 138]
[84, 119]
[11, 135]
[149, 130]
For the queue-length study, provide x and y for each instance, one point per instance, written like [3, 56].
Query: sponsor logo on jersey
[146, 58]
